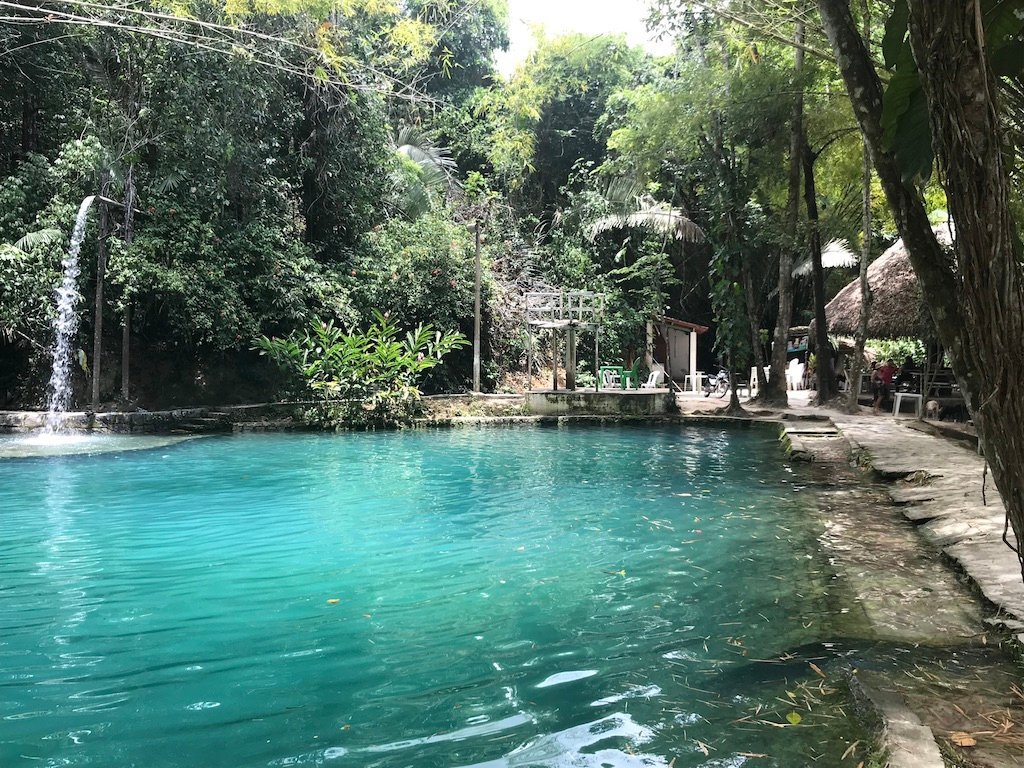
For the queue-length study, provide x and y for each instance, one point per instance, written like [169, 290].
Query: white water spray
[65, 327]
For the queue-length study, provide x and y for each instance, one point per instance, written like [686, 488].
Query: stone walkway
[938, 484]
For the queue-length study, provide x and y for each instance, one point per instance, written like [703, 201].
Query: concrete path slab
[942, 481]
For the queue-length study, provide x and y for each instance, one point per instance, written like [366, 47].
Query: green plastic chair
[632, 375]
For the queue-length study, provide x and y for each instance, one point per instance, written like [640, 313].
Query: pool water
[586, 597]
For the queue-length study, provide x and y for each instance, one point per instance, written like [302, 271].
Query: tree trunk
[861, 337]
[823, 352]
[981, 325]
[775, 392]
[948, 44]
[857, 364]
[753, 322]
[129, 233]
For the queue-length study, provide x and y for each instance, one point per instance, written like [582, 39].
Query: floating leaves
[962, 739]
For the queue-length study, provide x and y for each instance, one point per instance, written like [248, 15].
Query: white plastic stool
[901, 396]
[693, 381]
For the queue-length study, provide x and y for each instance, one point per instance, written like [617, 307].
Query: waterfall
[65, 327]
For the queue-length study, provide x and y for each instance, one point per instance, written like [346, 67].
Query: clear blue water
[585, 597]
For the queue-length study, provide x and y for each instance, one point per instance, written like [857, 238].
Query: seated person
[906, 379]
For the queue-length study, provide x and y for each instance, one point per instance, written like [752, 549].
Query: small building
[673, 344]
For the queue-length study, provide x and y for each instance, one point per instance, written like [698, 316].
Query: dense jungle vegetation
[289, 160]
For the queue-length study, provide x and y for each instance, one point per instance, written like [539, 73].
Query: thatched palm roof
[897, 309]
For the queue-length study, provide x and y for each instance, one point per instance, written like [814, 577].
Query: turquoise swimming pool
[592, 597]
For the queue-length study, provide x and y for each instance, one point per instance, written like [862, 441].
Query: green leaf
[40, 237]
[896, 27]
[793, 718]
[1004, 36]
[906, 131]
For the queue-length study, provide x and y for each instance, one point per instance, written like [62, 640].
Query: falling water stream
[65, 326]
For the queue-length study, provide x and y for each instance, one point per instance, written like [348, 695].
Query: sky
[588, 16]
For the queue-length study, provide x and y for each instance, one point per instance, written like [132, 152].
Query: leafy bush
[361, 379]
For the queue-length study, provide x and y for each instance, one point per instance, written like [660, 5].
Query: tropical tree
[949, 60]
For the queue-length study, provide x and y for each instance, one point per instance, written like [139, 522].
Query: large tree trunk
[753, 323]
[861, 337]
[129, 234]
[822, 352]
[981, 325]
[857, 364]
[967, 138]
[774, 392]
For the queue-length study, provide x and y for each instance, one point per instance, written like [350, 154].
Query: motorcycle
[719, 383]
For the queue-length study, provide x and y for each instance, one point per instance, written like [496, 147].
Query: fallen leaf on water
[753, 754]
[616, 573]
[793, 718]
[367, 616]
[346, 727]
[333, 601]
[703, 747]
[817, 669]
[962, 739]
[849, 750]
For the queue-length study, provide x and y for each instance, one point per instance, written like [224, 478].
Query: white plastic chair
[794, 374]
[654, 380]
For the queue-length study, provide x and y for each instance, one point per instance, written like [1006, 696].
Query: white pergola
[566, 311]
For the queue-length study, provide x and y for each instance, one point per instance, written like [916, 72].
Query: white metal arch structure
[566, 311]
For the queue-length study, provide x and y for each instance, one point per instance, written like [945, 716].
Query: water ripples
[500, 598]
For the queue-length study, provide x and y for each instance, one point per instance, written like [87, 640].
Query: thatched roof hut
[897, 309]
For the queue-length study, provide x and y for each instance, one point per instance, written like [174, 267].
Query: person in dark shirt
[906, 379]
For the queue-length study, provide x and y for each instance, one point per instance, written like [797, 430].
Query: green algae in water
[502, 597]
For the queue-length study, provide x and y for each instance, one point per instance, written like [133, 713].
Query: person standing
[881, 383]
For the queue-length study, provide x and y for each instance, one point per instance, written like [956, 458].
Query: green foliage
[548, 118]
[897, 350]
[37, 211]
[904, 104]
[361, 378]
[418, 271]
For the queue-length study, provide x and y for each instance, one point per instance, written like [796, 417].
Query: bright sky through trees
[586, 16]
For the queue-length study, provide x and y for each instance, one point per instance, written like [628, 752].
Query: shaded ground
[935, 661]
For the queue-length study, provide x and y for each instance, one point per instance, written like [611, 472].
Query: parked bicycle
[717, 384]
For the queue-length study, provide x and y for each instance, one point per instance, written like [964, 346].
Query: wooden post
[664, 330]
[570, 358]
[101, 273]
[597, 358]
[529, 358]
[693, 357]
[554, 359]
[649, 350]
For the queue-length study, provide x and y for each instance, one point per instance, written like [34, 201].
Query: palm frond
[623, 192]
[659, 218]
[168, 183]
[836, 253]
[437, 162]
[37, 238]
